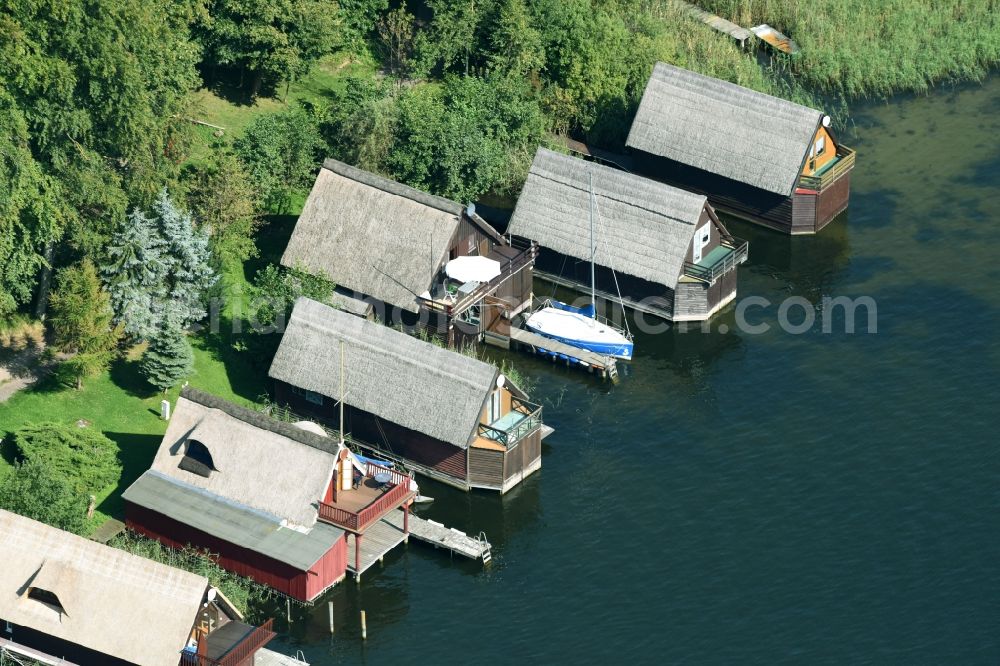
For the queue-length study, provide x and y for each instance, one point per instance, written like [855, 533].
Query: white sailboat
[579, 327]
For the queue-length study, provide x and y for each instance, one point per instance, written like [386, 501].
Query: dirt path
[17, 371]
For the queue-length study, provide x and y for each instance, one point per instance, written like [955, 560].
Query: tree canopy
[85, 457]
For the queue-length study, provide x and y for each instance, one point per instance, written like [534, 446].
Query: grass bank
[861, 48]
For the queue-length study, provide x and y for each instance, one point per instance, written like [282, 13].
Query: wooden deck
[108, 530]
[440, 536]
[265, 657]
[717, 23]
[606, 365]
[379, 539]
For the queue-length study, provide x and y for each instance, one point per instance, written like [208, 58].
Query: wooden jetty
[716, 22]
[592, 361]
[377, 541]
[439, 536]
[265, 657]
[775, 39]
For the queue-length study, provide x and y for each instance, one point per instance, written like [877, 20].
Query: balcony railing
[844, 163]
[517, 431]
[239, 653]
[357, 521]
[508, 267]
[737, 255]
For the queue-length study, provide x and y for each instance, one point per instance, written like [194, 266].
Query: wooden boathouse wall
[804, 212]
[301, 585]
[489, 468]
[72, 653]
[403, 442]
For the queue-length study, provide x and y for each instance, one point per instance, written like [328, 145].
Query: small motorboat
[578, 327]
[422, 499]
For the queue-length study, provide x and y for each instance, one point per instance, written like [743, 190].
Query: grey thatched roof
[642, 227]
[233, 522]
[397, 377]
[723, 128]
[115, 603]
[372, 235]
[259, 465]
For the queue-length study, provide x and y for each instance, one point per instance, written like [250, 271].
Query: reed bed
[865, 48]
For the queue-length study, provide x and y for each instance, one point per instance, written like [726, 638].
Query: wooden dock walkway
[718, 23]
[606, 365]
[265, 657]
[439, 536]
[377, 541]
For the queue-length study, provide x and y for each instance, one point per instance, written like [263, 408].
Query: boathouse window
[820, 145]
[47, 598]
[309, 396]
[494, 411]
[197, 459]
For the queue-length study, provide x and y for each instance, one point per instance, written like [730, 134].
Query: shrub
[85, 458]
[33, 489]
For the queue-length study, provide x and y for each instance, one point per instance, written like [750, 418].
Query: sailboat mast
[593, 249]
[342, 390]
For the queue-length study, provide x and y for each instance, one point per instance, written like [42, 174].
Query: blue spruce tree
[158, 269]
[135, 275]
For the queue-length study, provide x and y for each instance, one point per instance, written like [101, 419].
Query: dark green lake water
[771, 498]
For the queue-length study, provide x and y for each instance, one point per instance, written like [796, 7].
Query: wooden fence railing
[239, 653]
[710, 274]
[358, 521]
[845, 162]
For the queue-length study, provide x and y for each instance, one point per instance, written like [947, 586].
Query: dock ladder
[485, 548]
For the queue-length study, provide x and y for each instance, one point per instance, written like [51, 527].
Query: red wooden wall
[288, 580]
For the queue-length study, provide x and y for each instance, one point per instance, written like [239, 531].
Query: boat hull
[572, 329]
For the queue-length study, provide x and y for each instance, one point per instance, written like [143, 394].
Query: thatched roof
[724, 128]
[350, 304]
[390, 374]
[372, 235]
[115, 603]
[641, 227]
[267, 468]
[233, 522]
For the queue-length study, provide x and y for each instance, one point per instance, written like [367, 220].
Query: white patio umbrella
[472, 269]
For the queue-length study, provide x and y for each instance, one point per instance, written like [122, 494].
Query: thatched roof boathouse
[755, 156]
[65, 599]
[671, 255]
[443, 414]
[390, 245]
[214, 484]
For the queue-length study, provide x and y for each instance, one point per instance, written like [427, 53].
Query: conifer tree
[82, 321]
[169, 358]
[135, 274]
[158, 269]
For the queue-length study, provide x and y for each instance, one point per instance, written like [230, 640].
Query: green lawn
[222, 109]
[119, 402]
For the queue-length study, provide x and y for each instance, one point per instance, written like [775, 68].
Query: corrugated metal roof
[232, 522]
[723, 128]
[642, 227]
